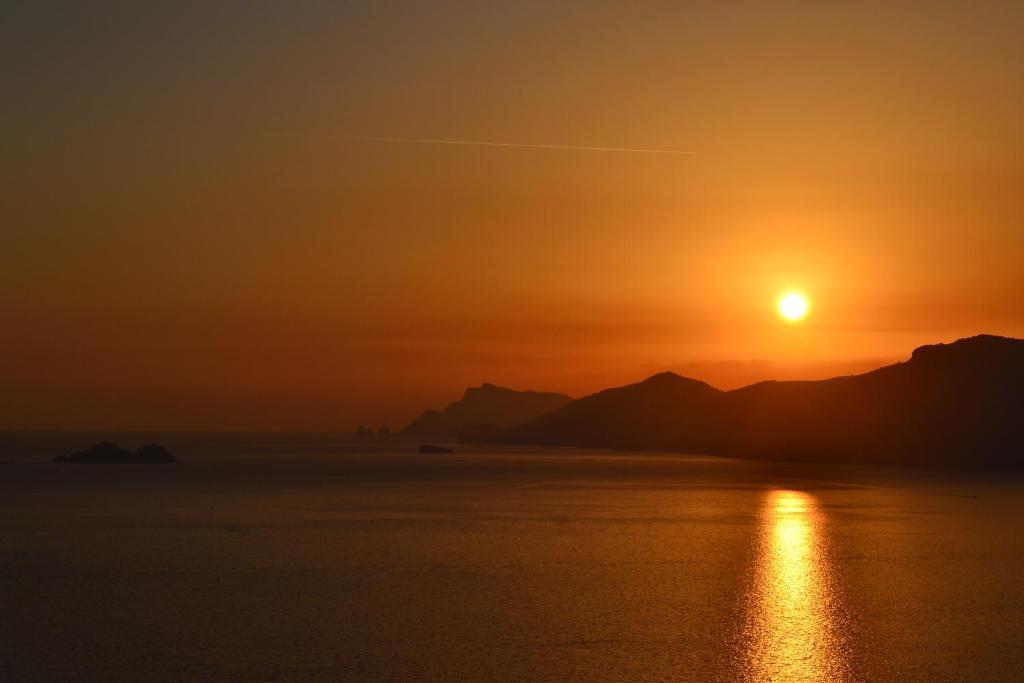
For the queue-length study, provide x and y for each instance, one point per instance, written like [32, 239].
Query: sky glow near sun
[296, 279]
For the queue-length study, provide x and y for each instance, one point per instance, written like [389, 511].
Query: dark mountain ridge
[958, 402]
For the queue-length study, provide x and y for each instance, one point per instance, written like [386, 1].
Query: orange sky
[191, 242]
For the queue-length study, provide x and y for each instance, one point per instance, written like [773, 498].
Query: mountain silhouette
[660, 410]
[485, 410]
[956, 403]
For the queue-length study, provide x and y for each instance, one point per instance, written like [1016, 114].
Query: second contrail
[479, 143]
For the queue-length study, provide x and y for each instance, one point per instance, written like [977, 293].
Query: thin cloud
[479, 143]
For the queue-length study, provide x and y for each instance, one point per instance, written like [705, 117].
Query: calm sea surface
[317, 558]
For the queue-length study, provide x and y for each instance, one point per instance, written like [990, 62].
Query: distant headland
[485, 411]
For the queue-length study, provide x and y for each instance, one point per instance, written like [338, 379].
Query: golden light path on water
[793, 628]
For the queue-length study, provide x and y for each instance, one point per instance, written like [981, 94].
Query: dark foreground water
[315, 559]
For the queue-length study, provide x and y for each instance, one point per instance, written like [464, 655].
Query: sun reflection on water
[793, 628]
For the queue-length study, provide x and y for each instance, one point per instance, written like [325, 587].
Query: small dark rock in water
[427, 448]
[108, 451]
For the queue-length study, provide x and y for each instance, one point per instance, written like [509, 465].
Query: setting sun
[793, 306]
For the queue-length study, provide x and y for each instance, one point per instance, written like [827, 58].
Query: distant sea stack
[109, 452]
[484, 410]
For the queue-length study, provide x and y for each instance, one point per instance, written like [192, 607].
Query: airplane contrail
[478, 143]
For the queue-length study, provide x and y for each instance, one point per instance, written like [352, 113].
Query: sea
[275, 557]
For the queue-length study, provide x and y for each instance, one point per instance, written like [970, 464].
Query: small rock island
[430, 448]
[110, 452]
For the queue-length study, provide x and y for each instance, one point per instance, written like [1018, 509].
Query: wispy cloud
[479, 143]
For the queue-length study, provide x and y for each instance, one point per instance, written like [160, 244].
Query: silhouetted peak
[969, 347]
[671, 379]
[485, 388]
[665, 376]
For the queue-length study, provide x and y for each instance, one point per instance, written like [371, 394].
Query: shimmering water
[794, 624]
[317, 560]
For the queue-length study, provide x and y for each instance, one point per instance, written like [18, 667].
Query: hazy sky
[192, 240]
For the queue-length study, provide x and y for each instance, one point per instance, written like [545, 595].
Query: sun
[793, 306]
